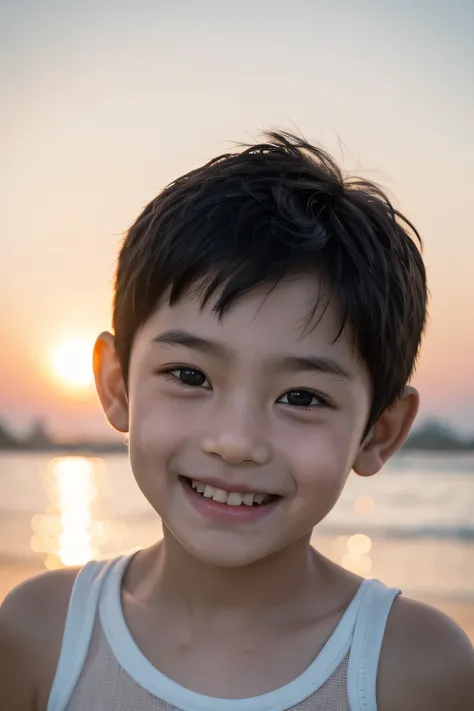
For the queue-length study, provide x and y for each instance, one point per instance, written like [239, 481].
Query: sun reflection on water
[70, 532]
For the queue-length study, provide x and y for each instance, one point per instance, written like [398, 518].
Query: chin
[221, 550]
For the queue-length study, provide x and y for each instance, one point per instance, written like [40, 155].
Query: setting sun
[72, 363]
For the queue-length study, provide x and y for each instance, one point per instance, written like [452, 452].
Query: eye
[190, 376]
[301, 398]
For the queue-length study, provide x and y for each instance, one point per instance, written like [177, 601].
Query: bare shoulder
[32, 619]
[427, 662]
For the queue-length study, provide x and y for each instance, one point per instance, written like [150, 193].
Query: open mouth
[229, 498]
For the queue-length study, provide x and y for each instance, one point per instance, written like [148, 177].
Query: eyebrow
[174, 337]
[177, 337]
[313, 364]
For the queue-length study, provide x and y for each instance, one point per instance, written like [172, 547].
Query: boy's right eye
[190, 377]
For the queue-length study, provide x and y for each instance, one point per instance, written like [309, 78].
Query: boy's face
[251, 403]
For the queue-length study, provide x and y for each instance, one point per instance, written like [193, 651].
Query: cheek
[156, 430]
[155, 435]
[320, 465]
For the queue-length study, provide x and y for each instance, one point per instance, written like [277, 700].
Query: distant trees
[432, 436]
[39, 440]
[7, 440]
[435, 436]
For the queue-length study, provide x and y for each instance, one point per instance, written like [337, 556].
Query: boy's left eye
[300, 398]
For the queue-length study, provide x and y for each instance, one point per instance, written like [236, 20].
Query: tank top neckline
[138, 667]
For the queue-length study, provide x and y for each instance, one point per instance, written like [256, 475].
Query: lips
[228, 507]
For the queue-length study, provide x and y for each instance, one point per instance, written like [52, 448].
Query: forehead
[295, 316]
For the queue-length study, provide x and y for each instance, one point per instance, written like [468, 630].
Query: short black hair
[253, 216]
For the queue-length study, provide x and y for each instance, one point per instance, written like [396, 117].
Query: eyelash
[169, 375]
[323, 400]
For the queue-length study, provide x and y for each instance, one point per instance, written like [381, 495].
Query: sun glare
[72, 363]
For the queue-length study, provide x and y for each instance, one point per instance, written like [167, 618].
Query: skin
[237, 426]
[244, 607]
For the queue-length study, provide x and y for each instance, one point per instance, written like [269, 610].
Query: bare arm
[18, 659]
[427, 662]
[31, 626]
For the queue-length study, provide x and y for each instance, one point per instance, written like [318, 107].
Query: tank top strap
[366, 646]
[78, 627]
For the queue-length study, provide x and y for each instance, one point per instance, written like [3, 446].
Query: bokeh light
[364, 505]
[69, 532]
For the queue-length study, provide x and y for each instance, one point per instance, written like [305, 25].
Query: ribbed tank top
[101, 668]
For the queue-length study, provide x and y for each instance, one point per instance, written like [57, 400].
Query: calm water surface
[411, 526]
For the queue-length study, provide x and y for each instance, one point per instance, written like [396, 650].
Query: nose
[237, 439]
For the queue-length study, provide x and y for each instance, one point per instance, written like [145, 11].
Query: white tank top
[101, 668]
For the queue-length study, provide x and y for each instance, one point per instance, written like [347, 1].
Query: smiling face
[251, 403]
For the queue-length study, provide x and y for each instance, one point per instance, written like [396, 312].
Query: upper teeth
[232, 498]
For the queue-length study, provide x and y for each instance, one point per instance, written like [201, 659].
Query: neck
[286, 578]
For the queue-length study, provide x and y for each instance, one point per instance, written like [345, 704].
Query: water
[411, 526]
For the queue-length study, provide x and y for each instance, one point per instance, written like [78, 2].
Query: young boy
[268, 315]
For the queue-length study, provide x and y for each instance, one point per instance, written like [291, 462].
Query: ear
[110, 383]
[388, 434]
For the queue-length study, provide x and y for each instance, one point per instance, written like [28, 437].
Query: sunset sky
[104, 103]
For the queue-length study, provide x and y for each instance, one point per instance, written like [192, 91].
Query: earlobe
[110, 383]
[388, 434]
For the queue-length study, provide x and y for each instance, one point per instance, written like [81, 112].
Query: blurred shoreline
[431, 436]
